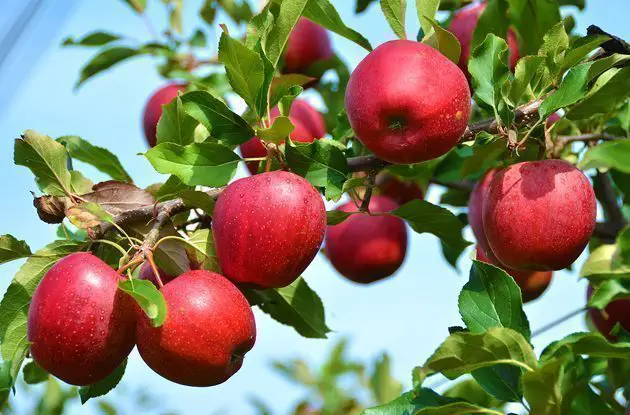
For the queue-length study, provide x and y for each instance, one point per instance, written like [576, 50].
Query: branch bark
[615, 220]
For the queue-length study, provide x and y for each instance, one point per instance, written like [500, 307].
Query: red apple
[617, 311]
[308, 44]
[532, 283]
[552, 119]
[463, 26]
[208, 329]
[153, 109]
[309, 126]
[80, 326]
[367, 248]
[268, 228]
[398, 190]
[475, 209]
[146, 273]
[407, 102]
[539, 215]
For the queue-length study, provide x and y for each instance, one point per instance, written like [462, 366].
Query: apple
[539, 215]
[146, 273]
[208, 329]
[398, 190]
[532, 283]
[616, 311]
[308, 44]
[407, 102]
[153, 109]
[475, 209]
[463, 26]
[552, 119]
[366, 248]
[80, 326]
[268, 228]
[309, 126]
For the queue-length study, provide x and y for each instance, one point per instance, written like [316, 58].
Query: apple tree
[524, 123]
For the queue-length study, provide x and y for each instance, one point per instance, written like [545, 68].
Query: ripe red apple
[80, 326]
[208, 329]
[617, 311]
[309, 126]
[153, 110]
[308, 44]
[398, 190]
[367, 248]
[268, 228]
[146, 273]
[475, 209]
[539, 215]
[463, 26]
[407, 102]
[532, 283]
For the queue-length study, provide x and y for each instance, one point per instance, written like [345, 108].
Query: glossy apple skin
[308, 44]
[532, 283]
[463, 26]
[475, 209]
[146, 273]
[208, 329]
[268, 228]
[153, 110]
[407, 102]
[617, 311]
[309, 126]
[398, 190]
[80, 326]
[539, 215]
[366, 248]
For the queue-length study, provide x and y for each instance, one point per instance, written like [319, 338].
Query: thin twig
[367, 196]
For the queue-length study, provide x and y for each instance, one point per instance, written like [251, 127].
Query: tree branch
[615, 220]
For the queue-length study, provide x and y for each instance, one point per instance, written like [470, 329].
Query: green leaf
[79, 183]
[579, 49]
[423, 216]
[324, 14]
[104, 386]
[208, 11]
[12, 249]
[543, 388]
[295, 305]
[97, 38]
[88, 215]
[175, 125]
[384, 387]
[610, 90]
[33, 373]
[148, 297]
[444, 41]
[526, 68]
[205, 164]
[137, 5]
[426, 12]
[491, 298]
[104, 60]
[17, 298]
[198, 200]
[470, 390]
[491, 21]
[289, 12]
[222, 122]
[238, 10]
[489, 70]
[47, 160]
[278, 132]
[590, 344]
[588, 403]
[198, 39]
[245, 70]
[394, 11]
[612, 154]
[321, 163]
[6, 381]
[464, 352]
[609, 291]
[283, 85]
[201, 252]
[556, 42]
[104, 160]
[171, 189]
[532, 20]
[335, 217]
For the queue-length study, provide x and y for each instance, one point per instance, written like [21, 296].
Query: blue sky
[406, 315]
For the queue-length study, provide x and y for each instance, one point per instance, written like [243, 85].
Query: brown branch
[607, 196]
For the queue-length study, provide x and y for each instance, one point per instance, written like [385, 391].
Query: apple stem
[149, 257]
[371, 180]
